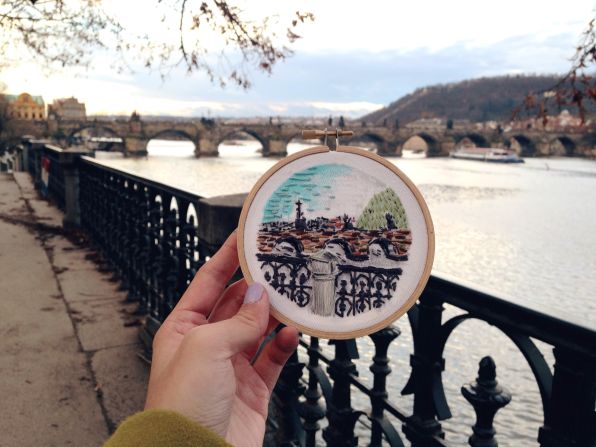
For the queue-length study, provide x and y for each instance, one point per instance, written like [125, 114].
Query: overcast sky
[355, 58]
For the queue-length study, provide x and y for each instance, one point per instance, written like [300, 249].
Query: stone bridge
[206, 135]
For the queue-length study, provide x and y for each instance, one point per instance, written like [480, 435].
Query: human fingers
[275, 355]
[228, 306]
[254, 351]
[211, 279]
[229, 303]
[247, 326]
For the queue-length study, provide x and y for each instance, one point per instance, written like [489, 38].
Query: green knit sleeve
[159, 428]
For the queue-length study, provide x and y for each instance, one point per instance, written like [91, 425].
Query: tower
[300, 222]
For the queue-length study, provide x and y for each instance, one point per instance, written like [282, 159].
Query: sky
[354, 58]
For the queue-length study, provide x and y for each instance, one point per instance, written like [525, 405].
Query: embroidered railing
[359, 289]
[288, 275]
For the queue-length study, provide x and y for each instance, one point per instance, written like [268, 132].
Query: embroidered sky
[326, 190]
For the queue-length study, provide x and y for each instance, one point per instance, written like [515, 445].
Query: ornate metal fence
[568, 395]
[148, 233]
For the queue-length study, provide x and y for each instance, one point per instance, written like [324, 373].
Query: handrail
[144, 230]
[505, 313]
[132, 176]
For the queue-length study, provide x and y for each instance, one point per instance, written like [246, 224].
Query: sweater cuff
[158, 428]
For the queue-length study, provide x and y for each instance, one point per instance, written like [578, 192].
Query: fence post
[36, 150]
[487, 397]
[425, 382]
[217, 218]
[27, 155]
[72, 210]
[571, 420]
[341, 415]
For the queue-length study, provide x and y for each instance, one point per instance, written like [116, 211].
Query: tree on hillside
[576, 89]
[375, 214]
[61, 33]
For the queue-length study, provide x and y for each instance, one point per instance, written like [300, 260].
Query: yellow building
[26, 107]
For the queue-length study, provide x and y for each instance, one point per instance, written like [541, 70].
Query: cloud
[346, 107]
[310, 83]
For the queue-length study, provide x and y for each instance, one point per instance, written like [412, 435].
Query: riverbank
[68, 351]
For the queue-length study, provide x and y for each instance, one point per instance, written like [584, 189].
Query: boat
[491, 154]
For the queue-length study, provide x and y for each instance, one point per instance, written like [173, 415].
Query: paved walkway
[68, 365]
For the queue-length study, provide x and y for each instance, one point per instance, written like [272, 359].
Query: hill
[482, 99]
[374, 215]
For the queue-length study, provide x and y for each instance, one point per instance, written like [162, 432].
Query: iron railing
[147, 232]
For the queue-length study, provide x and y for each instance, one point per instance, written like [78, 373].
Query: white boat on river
[496, 155]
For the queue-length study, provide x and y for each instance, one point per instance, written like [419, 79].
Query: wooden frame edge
[430, 233]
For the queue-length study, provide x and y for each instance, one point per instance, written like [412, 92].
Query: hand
[201, 354]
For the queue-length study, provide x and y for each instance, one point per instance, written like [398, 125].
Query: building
[25, 107]
[563, 122]
[67, 109]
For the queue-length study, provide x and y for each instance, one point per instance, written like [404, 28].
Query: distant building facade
[563, 122]
[67, 109]
[25, 107]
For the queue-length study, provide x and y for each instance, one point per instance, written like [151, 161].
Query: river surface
[526, 232]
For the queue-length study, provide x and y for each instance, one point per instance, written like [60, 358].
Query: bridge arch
[474, 138]
[183, 143]
[369, 140]
[247, 131]
[296, 143]
[91, 130]
[94, 126]
[433, 145]
[563, 145]
[523, 145]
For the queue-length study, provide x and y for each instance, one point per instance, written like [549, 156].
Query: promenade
[68, 345]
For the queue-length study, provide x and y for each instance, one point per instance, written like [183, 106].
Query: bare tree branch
[575, 90]
[64, 33]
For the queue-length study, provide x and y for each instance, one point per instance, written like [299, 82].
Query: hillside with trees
[482, 99]
[374, 216]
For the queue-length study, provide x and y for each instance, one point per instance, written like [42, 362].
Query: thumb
[246, 328]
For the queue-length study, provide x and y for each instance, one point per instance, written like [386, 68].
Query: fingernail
[253, 293]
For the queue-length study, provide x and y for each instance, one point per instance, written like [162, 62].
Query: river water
[523, 231]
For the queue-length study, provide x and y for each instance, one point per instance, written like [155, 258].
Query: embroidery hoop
[246, 264]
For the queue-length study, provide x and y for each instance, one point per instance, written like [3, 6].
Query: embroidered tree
[214, 37]
[375, 214]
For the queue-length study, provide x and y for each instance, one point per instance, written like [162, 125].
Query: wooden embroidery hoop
[361, 152]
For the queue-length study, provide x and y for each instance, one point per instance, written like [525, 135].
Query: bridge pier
[206, 147]
[383, 148]
[440, 148]
[398, 151]
[586, 151]
[276, 148]
[135, 146]
[542, 149]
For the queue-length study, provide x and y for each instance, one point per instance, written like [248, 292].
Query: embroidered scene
[333, 240]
